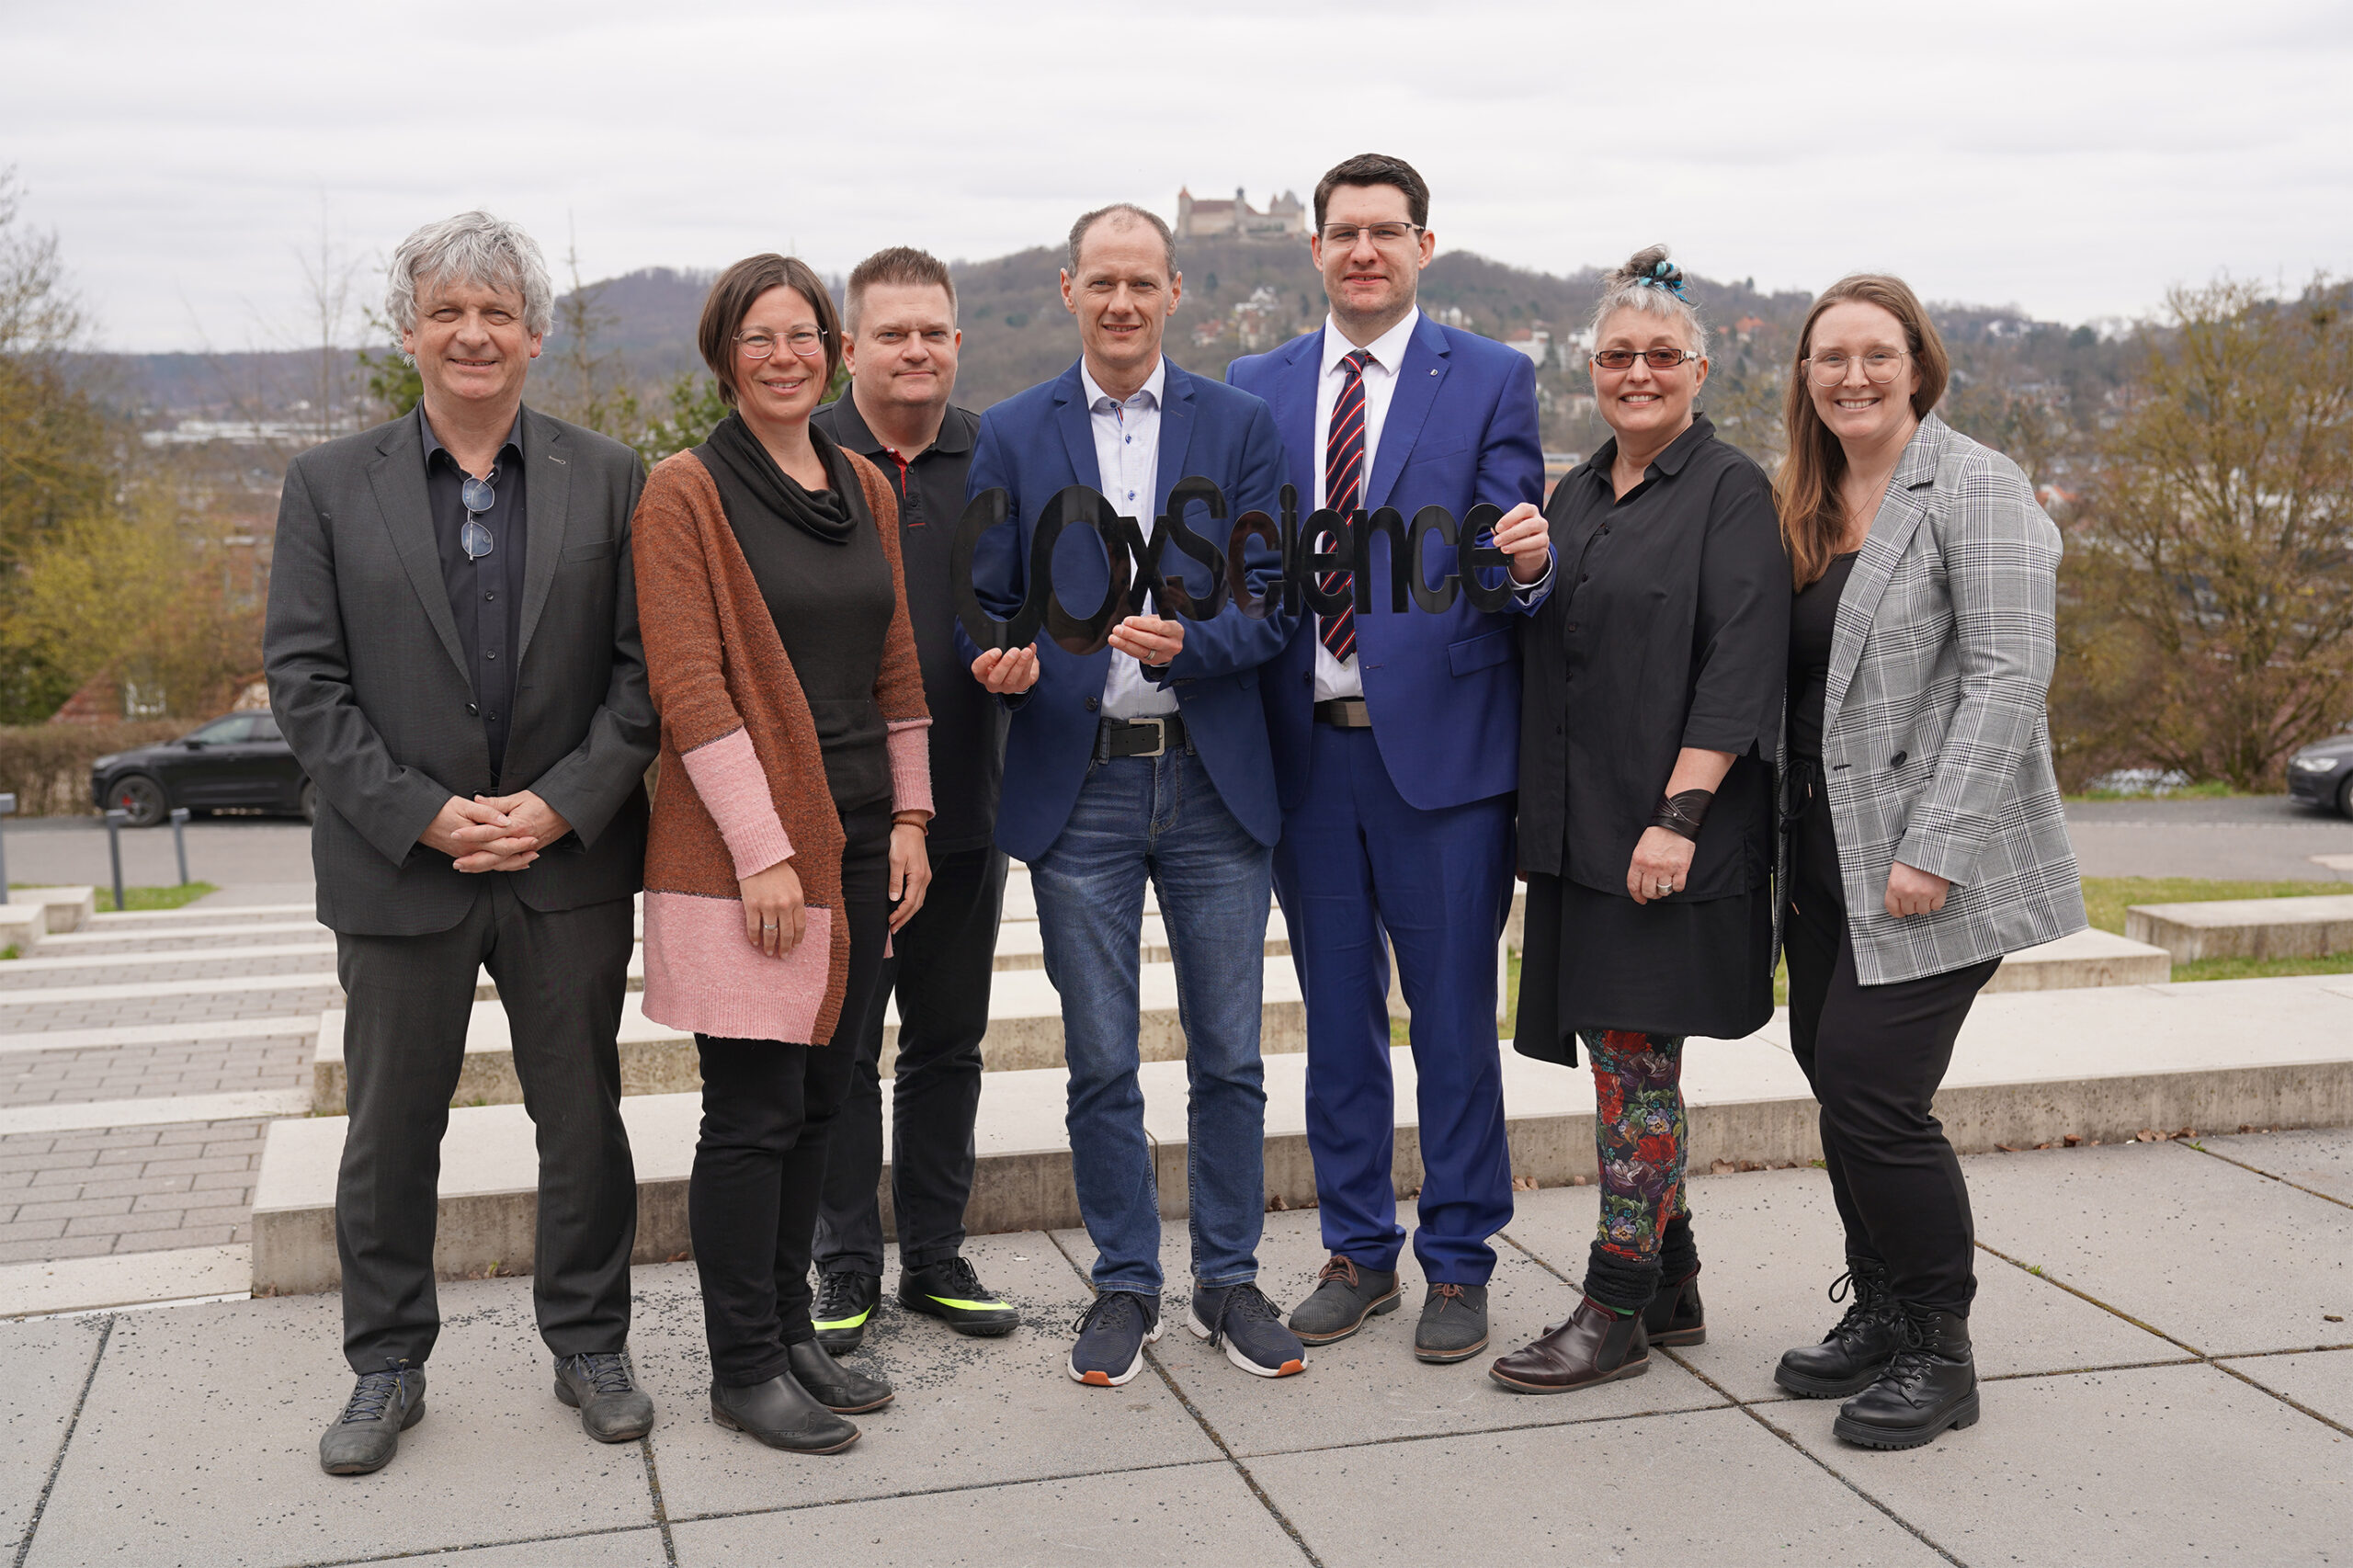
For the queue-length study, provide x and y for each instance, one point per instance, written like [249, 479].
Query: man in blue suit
[1147, 759]
[1396, 742]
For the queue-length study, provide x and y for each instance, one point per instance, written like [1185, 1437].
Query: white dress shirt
[1126, 457]
[1340, 677]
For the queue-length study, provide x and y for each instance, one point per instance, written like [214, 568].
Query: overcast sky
[2074, 157]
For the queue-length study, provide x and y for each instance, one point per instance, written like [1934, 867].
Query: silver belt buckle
[1160, 728]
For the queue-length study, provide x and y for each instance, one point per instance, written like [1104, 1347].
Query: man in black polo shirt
[899, 322]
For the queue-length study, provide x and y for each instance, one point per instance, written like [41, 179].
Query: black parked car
[2322, 774]
[236, 760]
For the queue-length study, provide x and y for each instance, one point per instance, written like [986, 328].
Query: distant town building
[1536, 342]
[1285, 215]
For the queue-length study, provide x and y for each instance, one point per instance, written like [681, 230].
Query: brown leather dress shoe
[1596, 1346]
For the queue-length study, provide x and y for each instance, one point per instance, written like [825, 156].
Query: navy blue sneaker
[1111, 1337]
[1249, 1327]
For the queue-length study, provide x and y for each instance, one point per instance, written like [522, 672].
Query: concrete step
[142, 938]
[2246, 927]
[1025, 1032]
[64, 908]
[23, 926]
[2088, 958]
[196, 914]
[2030, 1068]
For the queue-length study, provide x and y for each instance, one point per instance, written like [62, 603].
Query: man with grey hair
[452, 653]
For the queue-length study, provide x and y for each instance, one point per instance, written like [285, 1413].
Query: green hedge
[47, 765]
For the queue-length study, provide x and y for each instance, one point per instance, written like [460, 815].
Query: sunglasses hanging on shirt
[474, 538]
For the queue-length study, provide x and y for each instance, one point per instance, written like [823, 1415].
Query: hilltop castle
[1284, 216]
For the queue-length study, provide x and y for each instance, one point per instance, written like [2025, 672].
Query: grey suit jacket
[1935, 750]
[367, 678]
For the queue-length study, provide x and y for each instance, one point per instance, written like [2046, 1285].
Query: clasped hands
[1150, 640]
[493, 833]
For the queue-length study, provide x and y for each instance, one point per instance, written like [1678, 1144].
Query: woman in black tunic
[1651, 709]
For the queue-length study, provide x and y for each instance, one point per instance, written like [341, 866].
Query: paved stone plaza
[2165, 1385]
[2164, 1327]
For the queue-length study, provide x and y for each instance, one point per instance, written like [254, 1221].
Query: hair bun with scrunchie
[1664, 275]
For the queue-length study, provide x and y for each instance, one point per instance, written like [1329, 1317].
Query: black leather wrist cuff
[1682, 814]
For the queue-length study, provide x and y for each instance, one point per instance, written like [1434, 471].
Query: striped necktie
[1343, 493]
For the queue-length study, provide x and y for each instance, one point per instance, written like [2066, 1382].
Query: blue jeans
[1160, 817]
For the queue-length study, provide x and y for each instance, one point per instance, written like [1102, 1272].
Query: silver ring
[1665, 889]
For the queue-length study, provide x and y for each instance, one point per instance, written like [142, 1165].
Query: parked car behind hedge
[237, 761]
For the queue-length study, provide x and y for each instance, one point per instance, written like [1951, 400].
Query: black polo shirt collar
[955, 438]
[433, 442]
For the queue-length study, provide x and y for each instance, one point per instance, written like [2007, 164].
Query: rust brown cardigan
[743, 782]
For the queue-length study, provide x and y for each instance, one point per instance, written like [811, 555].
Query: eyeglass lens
[475, 540]
[1383, 233]
[477, 494]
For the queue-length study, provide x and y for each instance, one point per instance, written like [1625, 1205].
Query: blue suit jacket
[1038, 443]
[1443, 690]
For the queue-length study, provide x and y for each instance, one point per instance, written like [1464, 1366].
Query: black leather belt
[1141, 737]
[1344, 713]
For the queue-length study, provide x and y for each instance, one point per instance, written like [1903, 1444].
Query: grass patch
[154, 898]
[2211, 789]
[2106, 898]
[9, 952]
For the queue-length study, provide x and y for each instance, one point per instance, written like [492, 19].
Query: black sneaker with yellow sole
[845, 1305]
[953, 1292]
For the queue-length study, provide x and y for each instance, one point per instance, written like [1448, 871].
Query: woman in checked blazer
[1925, 837]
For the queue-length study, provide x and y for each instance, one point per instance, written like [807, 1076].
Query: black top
[832, 603]
[1814, 620]
[967, 723]
[485, 596]
[1668, 628]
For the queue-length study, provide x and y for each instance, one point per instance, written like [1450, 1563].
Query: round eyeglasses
[808, 342]
[1879, 366]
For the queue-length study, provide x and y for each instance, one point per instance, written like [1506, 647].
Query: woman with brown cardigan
[788, 833]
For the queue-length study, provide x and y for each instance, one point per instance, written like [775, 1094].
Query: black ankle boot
[1849, 1358]
[1929, 1385]
[1675, 1316]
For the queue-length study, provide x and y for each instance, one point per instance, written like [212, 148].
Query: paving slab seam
[1749, 1409]
[866, 1498]
[425, 1553]
[2268, 1176]
[64, 1444]
[2216, 1362]
[653, 1489]
[1266, 1500]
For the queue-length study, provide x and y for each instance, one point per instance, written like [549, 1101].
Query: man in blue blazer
[1396, 742]
[1143, 760]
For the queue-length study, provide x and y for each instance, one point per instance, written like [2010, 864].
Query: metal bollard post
[179, 843]
[7, 808]
[115, 819]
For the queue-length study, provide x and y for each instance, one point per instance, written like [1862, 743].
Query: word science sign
[1311, 553]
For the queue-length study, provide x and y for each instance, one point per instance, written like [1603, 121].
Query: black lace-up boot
[1858, 1345]
[1928, 1385]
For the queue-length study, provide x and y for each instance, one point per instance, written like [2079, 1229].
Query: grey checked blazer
[370, 685]
[1935, 750]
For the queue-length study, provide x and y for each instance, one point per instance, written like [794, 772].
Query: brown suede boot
[1595, 1345]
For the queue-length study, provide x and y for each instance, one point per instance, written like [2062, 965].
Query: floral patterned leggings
[1640, 1131]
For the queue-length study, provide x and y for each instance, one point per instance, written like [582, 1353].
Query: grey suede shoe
[613, 1409]
[366, 1435]
[1453, 1325]
[1346, 1294]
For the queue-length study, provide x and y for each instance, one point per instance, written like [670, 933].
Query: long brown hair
[1813, 516]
